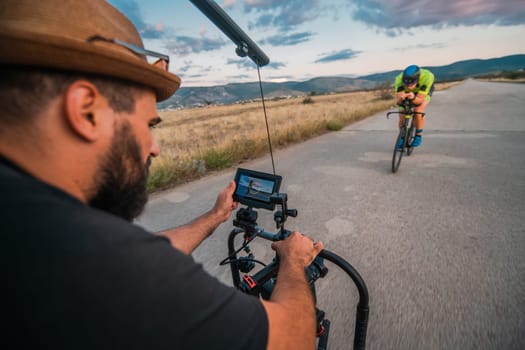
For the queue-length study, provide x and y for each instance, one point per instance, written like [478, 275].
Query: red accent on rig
[249, 280]
[322, 330]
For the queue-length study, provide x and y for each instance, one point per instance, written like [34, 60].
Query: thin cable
[266, 118]
[230, 258]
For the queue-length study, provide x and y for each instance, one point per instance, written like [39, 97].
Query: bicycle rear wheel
[398, 152]
[411, 135]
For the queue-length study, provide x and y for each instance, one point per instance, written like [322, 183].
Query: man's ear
[83, 104]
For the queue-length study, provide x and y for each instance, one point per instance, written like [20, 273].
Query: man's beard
[122, 177]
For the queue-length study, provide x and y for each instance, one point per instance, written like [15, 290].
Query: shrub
[308, 100]
[385, 91]
[217, 159]
[334, 125]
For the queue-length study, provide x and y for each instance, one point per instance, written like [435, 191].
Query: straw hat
[86, 36]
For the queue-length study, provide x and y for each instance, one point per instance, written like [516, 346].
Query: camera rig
[262, 282]
[265, 194]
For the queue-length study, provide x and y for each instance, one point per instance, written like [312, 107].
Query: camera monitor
[254, 188]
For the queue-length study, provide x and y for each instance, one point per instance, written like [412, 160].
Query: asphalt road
[440, 244]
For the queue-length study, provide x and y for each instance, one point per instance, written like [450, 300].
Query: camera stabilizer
[262, 282]
[260, 190]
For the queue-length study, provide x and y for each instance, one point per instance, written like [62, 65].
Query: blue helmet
[411, 75]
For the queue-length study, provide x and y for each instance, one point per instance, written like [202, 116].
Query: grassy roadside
[506, 77]
[196, 141]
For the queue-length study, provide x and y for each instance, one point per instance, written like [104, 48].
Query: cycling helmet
[411, 74]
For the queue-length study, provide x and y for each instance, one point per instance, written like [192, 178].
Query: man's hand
[291, 309]
[298, 248]
[224, 205]
[187, 237]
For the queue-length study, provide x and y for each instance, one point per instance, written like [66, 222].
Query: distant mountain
[462, 69]
[236, 92]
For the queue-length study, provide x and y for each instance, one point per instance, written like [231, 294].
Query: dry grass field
[196, 141]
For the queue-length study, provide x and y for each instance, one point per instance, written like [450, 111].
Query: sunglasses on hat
[162, 62]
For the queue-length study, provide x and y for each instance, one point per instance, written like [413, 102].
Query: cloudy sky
[311, 38]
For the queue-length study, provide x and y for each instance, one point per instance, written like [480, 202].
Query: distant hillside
[235, 92]
[463, 69]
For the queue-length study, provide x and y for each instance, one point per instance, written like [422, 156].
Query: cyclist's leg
[418, 118]
[419, 121]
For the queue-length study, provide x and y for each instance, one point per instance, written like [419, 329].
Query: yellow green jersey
[425, 84]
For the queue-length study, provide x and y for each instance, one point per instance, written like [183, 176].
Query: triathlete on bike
[416, 84]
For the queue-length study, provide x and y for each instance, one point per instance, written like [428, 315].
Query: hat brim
[41, 50]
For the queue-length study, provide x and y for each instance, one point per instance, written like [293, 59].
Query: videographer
[78, 100]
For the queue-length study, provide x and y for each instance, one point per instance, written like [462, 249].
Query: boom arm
[245, 45]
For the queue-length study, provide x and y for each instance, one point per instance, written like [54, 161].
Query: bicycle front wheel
[398, 152]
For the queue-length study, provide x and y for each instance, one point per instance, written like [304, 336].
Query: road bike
[407, 133]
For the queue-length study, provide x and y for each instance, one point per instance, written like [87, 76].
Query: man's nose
[155, 149]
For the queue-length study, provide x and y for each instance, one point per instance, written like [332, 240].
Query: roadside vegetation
[196, 141]
[513, 76]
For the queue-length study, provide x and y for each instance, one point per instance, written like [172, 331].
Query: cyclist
[78, 100]
[417, 85]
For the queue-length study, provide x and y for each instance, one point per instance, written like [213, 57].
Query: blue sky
[311, 38]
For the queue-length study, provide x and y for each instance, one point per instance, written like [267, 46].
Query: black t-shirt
[79, 278]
